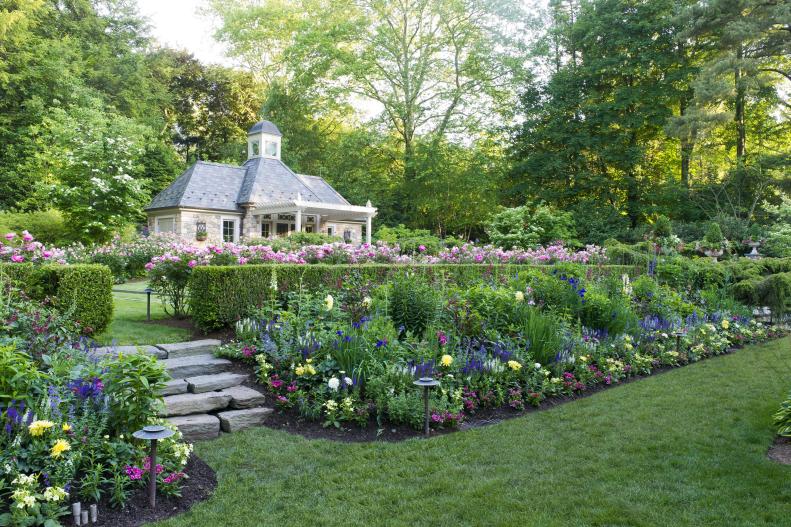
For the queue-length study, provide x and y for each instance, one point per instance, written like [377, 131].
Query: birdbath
[153, 433]
[427, 383]
[678, 335]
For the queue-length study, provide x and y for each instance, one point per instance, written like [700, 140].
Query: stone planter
[713, 253]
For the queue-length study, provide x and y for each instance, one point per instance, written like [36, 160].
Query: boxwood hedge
[83, 291]
[221, 295]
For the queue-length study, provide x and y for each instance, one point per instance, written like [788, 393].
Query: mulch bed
[200, 485]
[289, 420]
[780, 451]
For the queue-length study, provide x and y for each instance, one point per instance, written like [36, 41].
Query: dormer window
[255, 148]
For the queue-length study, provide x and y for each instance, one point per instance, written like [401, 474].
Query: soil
[198, 487]
[780, 451]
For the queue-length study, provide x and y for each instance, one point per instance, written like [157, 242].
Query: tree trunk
[739, 108]
[687, 145]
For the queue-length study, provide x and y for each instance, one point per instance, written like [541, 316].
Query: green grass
[686, 448]
[129, 325]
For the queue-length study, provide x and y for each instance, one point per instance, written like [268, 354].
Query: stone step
[195, 365]
[217, 381]
[235, 420]
[244, 397]
[175, 387]
[189, 349]
[195, 403]
[196, 427]
[128, 350]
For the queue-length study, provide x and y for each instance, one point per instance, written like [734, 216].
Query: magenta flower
[10, 236]
[17, 258]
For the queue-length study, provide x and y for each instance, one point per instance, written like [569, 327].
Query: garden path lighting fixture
[678, 335]
[153, 433]
[148, 291]
[427, 383]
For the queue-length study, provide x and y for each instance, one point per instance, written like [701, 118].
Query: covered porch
[278, 219]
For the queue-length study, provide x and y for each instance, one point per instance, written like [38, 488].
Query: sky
[178, 24]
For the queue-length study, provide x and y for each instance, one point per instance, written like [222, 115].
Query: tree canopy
[441, 112]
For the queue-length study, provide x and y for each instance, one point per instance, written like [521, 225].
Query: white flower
[347, 381]
[537, 365]
[520, 296]
[367, 302]
[329, 302]
[334, 384]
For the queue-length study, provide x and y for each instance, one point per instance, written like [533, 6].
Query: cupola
[263, 140]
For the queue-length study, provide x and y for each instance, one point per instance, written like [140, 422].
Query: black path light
[427, 383]
[148, 291]
[153, 433]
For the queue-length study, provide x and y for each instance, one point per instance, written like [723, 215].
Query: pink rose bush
[24, 248]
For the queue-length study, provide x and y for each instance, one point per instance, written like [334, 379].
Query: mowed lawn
[129, 325]
[685, 448]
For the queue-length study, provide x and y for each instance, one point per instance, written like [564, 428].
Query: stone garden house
[263, 198]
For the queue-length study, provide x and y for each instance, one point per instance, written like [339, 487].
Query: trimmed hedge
[83, 291]
[221, 295]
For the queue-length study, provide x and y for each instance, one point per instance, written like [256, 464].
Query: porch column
[368, 229]
[298, 220]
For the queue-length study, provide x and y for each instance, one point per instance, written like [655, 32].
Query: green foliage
[296, 241]
[782, 418]
[662, 227]
[528, 226]
[133, 383]
[82, 291]
[778, 236]
[409, 240]
[218, 296]
[48, 225]
[542, 335]
[775, 291]
[714, 238]
[20, 379]
[413, 303]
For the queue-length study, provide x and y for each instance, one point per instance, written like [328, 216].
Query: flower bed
[66, 419]
[349, 355]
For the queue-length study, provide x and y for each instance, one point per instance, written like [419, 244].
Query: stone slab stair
[203, 399]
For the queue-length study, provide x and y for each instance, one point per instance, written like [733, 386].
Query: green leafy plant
[132, 384]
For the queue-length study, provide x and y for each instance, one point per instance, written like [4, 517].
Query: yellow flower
[300, 370]
[514, 365]
[37, 428]
[310, 370]
[60, 447]
[66, 427]
[446, 360]
[628, 347]
[329, 302]
[725, 324]
[583, 358]
[519, 296]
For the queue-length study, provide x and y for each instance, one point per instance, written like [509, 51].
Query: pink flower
[421, 248]
[17, 258]
[191, 264]
[291, 388]
[10, 236]
[26, 236]
[149, 266]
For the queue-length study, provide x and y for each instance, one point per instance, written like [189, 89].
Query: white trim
[236, 223]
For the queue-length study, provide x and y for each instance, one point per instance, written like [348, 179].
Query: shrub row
[221, 295]
[82, 291]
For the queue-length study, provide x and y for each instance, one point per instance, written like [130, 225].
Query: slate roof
[216, 186]
[266, 127]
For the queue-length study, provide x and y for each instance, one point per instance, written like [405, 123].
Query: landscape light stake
[678, 335]
[148, 303]
[427, 383]
[153, 433]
